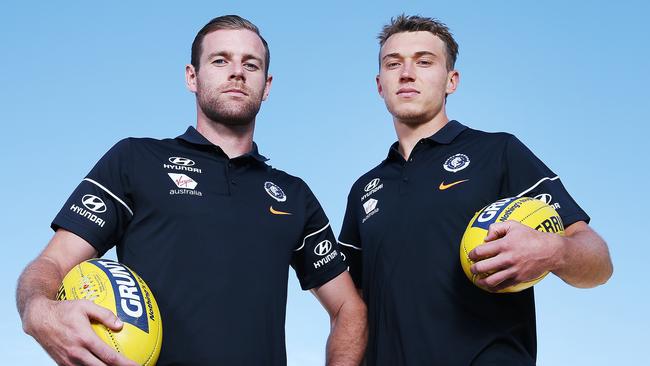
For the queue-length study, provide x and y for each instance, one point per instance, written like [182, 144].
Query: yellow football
[114, 286]
[528, 211]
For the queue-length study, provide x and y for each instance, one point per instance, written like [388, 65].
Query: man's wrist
[560, 245]
[33, 306]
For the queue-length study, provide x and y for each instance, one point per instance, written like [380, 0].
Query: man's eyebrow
[227, 54]
[249, 56]
[425, 53]
[391, 55]
[416, 54]
[220, 53]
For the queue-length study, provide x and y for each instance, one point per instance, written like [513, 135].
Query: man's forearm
[585, 260]
[346, 344]
[41, 278]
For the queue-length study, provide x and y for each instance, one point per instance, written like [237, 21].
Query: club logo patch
[456, 163]
[274, 191]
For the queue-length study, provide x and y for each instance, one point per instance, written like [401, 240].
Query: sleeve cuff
[324, 277]
[80, 231]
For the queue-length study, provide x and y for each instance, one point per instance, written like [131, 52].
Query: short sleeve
[527, 176]
[99, 209]
[350, 242]
[317, 259]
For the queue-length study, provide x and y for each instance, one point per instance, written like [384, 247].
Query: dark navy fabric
[213, 238]
[401, 235]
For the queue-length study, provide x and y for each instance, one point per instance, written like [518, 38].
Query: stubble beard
[413, 117]
[222, 109]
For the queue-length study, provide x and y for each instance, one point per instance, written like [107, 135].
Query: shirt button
[411, 160]
[406, 179]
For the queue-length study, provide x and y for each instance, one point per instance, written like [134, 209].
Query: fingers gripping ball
[114, 286]
[528, 211]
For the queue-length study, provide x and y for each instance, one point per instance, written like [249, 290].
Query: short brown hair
[415, 23]
[226, 22]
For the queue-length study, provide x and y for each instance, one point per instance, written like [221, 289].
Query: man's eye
[425, 62]
[392, 65]
[219, 61]
[251, 67]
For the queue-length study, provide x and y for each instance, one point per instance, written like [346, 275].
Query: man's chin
[239, 115]
[234, 119]
[412, 118]
[412, 114]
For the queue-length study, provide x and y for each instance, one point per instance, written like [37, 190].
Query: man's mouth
[235, 91]
[407, 92]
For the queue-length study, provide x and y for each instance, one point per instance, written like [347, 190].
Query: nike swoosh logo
[276, 212]
[444, 186]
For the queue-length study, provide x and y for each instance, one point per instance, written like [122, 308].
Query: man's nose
[408, 71]
[237, 72]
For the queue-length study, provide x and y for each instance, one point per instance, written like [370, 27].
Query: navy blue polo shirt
[401, 235]
[213, 238]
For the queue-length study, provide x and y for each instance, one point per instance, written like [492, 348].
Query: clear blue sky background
[570, 79]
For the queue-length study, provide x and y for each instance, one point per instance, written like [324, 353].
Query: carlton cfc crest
[274, 191]
[456, 162]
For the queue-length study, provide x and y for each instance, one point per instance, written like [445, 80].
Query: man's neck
[409, 134]
[234, 140]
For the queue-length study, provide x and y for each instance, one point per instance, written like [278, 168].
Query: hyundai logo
[544, 197]
[93, 203]
[181, 161]
[372, 185]
[323, 247]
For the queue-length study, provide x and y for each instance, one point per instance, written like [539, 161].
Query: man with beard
[405, 219]
[206, 223]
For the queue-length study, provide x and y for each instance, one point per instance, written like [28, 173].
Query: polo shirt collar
[444, 136]
[193, 136]
[448, 132]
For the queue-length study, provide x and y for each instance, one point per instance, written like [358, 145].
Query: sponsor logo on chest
[372, 187]
[370, 208]
[185, 184]
[181, 163]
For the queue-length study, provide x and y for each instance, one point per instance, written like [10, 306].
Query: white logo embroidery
[456, 162]
[372, 185]
[183, 181]
[547, 198]
[544, 197]
[181, 161]
[370, 205]
[274, 191]
[93, 203]
[371, 188]
[323, 247]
